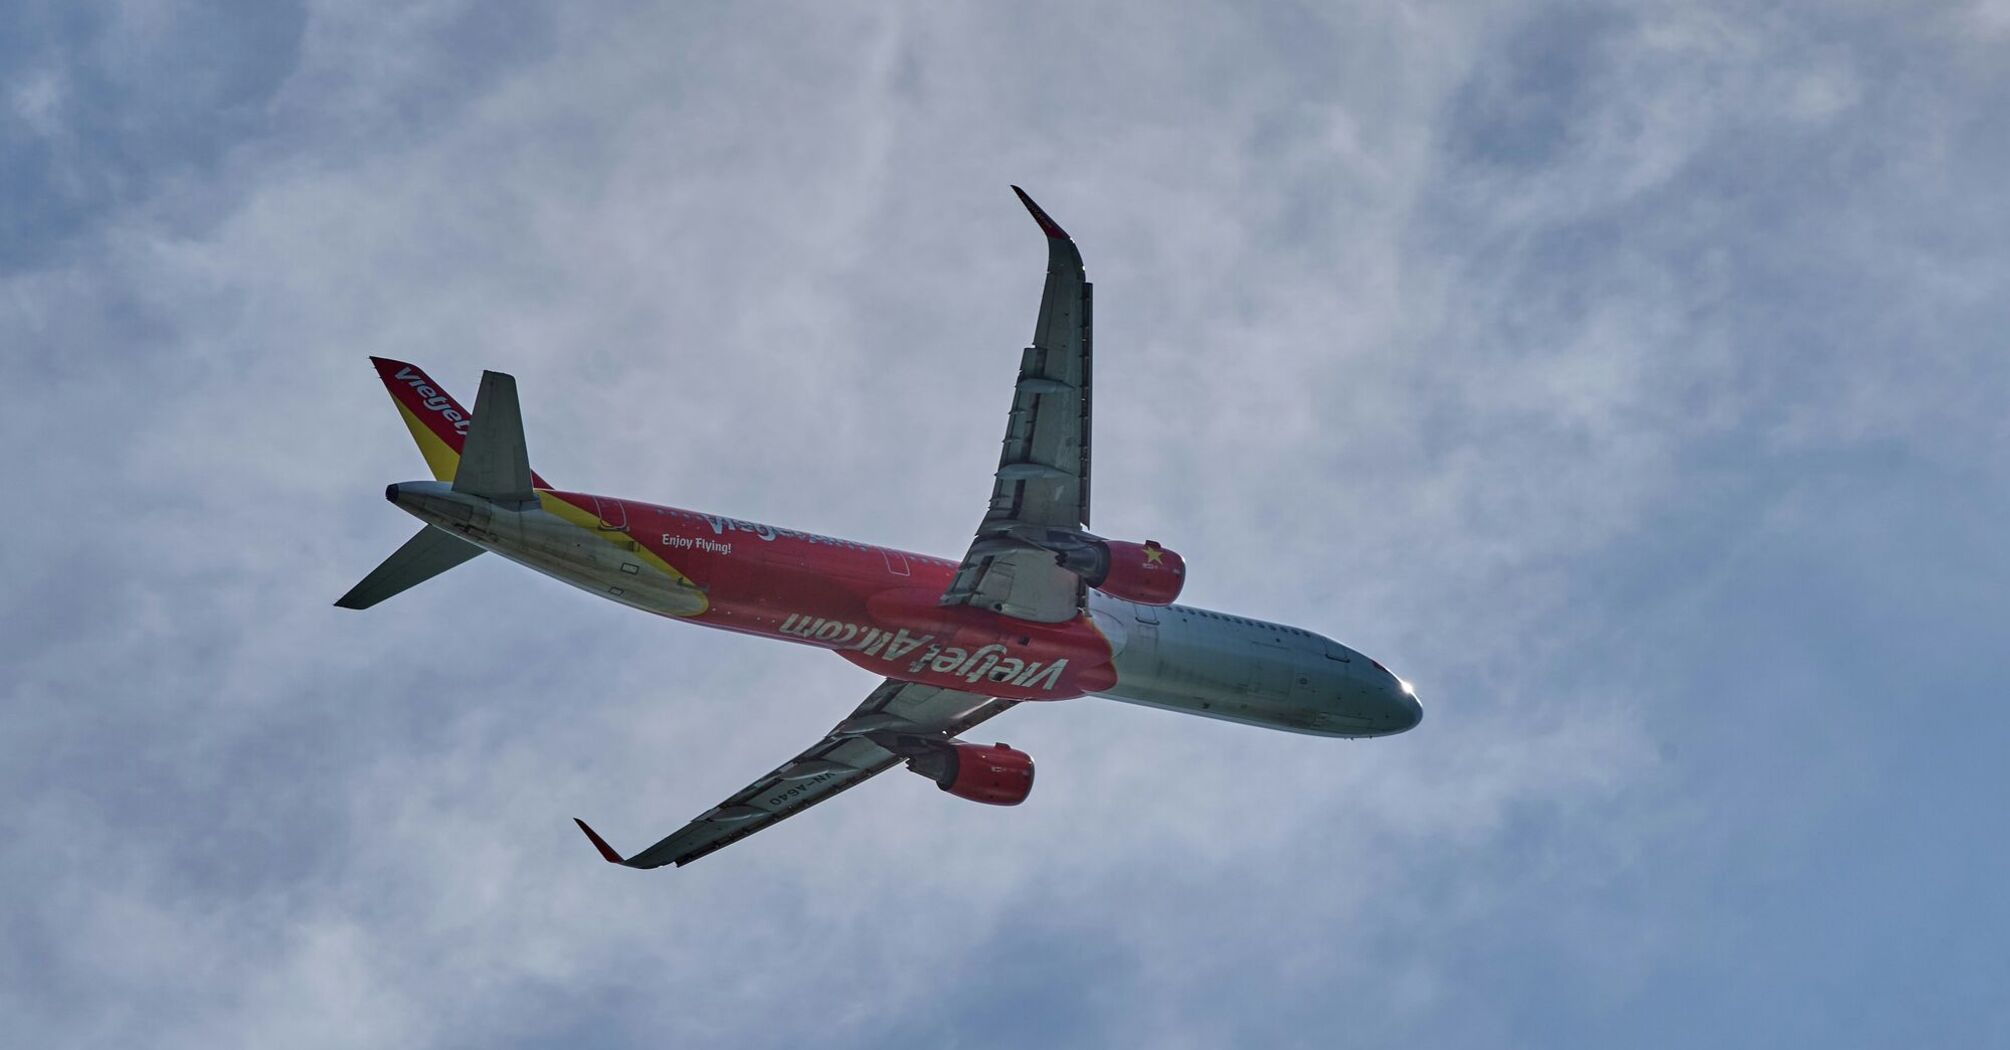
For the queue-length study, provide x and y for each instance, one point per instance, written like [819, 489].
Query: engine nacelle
[1145, 573]
[997, 775]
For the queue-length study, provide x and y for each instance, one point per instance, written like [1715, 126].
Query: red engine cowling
[996, 775]
[1145, 573]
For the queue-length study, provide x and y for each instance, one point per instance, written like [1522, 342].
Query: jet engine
[1145, 573]
[997, 775]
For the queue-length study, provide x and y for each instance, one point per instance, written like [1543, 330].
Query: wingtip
[599, 843]
[1047, 224]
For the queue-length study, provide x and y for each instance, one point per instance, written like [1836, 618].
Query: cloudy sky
[1628, 376]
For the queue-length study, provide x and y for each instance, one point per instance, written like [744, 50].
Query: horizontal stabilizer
[494, 462]
[430, 553]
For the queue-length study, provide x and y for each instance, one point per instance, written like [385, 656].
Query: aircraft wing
[845, 757]
[1043, 471]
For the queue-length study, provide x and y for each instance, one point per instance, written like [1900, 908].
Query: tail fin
[430, 553]
[437, 422]
[485, 459]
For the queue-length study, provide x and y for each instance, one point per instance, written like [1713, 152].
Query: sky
[1626, 376]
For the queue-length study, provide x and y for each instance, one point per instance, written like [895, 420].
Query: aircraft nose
[1401, 700]
[1413, 710]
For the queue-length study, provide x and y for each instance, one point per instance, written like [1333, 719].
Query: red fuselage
[875, 606]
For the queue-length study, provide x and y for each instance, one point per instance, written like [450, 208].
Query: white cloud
[37, 97]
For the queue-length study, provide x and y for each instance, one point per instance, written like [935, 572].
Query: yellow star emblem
[1153, 555]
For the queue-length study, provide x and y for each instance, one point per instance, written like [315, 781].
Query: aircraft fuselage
[880, 609]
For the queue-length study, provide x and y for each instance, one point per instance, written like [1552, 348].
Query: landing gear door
[613, 514]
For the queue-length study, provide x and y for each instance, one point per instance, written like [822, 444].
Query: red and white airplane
[1039, 608]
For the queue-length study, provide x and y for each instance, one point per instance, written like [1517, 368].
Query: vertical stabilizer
[438, 422]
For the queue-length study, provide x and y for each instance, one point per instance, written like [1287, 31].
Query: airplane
[1038, 608]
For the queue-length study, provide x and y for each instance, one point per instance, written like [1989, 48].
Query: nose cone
[1399, 702]
[1413, 712]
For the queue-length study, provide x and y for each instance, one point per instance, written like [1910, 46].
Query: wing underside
[1043, 468]
[852, 752]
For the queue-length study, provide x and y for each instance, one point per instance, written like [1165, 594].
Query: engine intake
[997, 775]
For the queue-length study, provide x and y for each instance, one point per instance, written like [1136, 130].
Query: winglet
[599, 843]
[1047, 225]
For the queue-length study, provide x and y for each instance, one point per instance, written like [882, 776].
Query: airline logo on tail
[434, 400]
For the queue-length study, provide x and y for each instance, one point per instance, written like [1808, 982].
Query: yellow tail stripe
[440, 456]
[590, 522]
